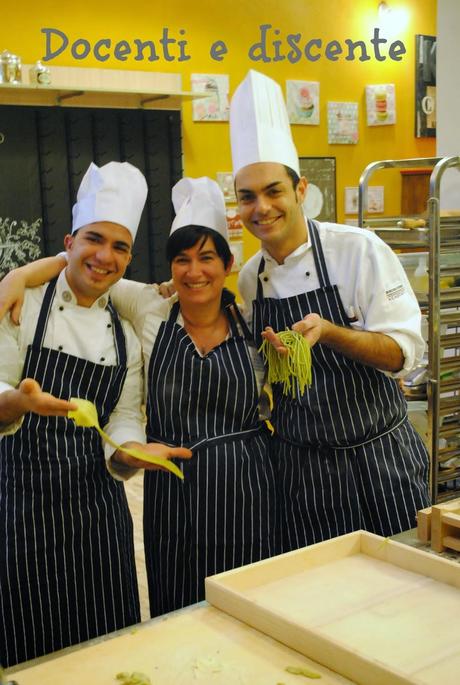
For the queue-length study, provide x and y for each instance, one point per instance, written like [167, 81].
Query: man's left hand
[312, 327]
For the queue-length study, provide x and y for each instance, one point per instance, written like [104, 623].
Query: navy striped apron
[223, 514]
[347, 456]
[67, 570]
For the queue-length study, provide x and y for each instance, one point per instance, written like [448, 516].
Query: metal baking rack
[439, 238]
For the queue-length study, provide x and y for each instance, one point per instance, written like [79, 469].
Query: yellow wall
[206, 145]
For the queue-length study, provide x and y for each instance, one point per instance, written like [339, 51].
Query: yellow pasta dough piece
[86, 416]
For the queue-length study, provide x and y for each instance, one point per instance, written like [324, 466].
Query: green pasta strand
[292, 370]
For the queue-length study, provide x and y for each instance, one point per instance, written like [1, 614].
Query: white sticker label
[395, 292]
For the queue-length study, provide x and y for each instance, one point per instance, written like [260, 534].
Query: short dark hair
[188, 236]
[293, 175]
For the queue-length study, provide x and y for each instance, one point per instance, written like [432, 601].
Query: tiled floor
[134, 492]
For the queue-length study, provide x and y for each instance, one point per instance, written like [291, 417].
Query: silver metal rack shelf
[439, 239]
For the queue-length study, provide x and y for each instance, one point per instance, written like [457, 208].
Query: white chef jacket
[82, 332]
[372, 284]
[146, 309]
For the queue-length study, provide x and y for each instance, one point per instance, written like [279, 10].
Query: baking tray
[376, 611]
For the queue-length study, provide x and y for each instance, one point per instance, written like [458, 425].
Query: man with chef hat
[347, 455]
[68, 571]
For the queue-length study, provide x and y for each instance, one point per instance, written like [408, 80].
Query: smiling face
[270, 207]
[98, 255]
[199, 273]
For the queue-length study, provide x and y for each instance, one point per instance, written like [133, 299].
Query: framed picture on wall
[320, 200]
[425, 86]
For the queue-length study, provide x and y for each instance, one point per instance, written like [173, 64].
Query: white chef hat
[259, 124]
[114, 192]
[199, 202]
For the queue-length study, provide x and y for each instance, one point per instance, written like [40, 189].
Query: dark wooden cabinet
[415, 187]
[43, 156]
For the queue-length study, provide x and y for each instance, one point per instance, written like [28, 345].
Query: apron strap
[343, 448]
[234, 316]
[260, 290]
[118, 335]
[174, 313]
[213, 440]
[318, 255]
[43, 317]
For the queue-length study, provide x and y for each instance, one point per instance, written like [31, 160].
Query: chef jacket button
[109, 325]
[102, 359]
[265, 278]
[61, 308]
[66, 296]
[102, 303]
[60, 348]
[307, 273]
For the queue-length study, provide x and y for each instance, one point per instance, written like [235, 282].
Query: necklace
[207, 336]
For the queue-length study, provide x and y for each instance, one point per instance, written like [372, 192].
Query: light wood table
[198, 644]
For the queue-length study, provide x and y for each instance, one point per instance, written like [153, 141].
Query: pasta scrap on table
[134, 678]
[297, 670]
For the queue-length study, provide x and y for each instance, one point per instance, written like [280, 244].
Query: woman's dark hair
[188, 236]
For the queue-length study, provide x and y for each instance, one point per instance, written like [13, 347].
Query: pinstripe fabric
[67, 570]
[327, 486]
[223, 514]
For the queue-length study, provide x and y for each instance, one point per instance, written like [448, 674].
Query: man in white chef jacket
[348, 457]
[68, 572]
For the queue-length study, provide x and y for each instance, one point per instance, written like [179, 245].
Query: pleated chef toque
[259, 124]
[114, 192]
[199, 202]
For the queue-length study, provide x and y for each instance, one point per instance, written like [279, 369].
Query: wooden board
[199, 644]
[374, 610]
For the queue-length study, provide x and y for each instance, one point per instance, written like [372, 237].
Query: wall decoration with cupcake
[303, 102]
[342, 123]
[380, 104]
[215, 106]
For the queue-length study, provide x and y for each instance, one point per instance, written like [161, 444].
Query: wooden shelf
[85, 87]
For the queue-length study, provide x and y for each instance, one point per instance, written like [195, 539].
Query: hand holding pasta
[293, 368]
[86, 416]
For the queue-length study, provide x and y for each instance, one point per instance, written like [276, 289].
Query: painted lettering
[218, 50]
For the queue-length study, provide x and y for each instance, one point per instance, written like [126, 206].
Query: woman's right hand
[12, 288]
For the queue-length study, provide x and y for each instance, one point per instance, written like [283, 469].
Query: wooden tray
[376, 611]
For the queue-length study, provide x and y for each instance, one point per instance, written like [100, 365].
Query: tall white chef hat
[199, 202]
[259, 124]
[114, 192]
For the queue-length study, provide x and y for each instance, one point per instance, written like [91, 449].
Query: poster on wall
[342, 122]
[236, 247]
[303, 102]
[425, 86]
[380, 104]
[375, 202]
[234, 223]
[320, 202]
[215, 106]
[225, 181]
[19, 243]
